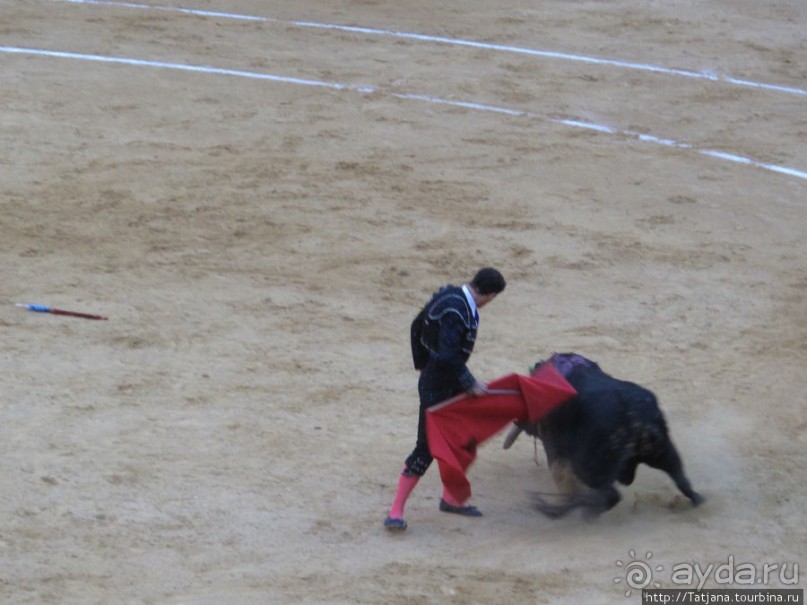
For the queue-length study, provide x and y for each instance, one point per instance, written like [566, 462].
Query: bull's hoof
[553, 511]
[697, 499]
[592, 513]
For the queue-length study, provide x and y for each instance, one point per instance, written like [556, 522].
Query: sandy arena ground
[233, 433]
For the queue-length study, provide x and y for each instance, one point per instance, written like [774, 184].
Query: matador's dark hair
[488, 281]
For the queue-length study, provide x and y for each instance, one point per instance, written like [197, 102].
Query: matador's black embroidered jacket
[444, 333]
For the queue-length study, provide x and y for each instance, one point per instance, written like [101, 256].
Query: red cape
[456, 427]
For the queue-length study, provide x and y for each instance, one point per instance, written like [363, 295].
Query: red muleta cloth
[457, 426]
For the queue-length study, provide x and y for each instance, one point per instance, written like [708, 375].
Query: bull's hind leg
[669, 461]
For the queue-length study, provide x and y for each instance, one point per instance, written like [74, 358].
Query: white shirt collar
[470, 298]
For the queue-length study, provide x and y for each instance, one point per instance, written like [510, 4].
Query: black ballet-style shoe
[465, 511]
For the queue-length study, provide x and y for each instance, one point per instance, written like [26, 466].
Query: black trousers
[435, 385]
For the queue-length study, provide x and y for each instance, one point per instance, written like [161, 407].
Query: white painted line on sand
[699, 75]
[730, 157]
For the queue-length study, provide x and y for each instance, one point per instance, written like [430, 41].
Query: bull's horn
[512, 435]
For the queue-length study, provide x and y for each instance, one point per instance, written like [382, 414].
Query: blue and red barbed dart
[54, 311]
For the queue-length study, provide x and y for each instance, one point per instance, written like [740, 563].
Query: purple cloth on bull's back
[566, 363]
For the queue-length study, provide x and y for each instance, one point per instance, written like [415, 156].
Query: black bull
[602, 435]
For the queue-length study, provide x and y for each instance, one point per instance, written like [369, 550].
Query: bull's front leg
[604, 500]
